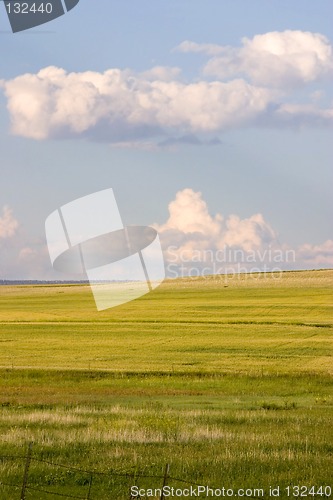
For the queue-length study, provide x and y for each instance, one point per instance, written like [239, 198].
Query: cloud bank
[197, 242]
[53, 103]
[238, 87]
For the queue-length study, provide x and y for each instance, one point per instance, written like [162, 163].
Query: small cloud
[140, 145]
[317, 255]
[190, 140]
[215, 141]
[161, 73]
[26, 254]
[317, 96]
[8, 223]
[199, 48]
[303, 114]
[276, 59]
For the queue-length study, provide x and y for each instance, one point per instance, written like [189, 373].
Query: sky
[211, 121]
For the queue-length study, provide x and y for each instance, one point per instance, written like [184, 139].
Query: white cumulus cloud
[191, 228]
[275, 59]
[53, 102]
[194, 240]
[188, 213]
[251, 85]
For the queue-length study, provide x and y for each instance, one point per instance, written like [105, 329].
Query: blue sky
[252, 135]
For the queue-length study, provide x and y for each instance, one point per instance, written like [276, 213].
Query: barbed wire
[65, 495]
[134, 474]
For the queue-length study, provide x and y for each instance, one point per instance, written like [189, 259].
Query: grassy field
[227, 380]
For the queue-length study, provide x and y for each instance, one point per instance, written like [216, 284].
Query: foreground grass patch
[235, 430]
[239, 448]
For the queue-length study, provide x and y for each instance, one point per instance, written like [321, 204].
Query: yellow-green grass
[228, 380]
[275, 323]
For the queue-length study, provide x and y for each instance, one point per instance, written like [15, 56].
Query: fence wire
[91, 473]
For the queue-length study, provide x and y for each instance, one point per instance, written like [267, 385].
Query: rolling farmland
[227, 380]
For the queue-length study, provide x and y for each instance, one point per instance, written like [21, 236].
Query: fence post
[89, 490]
[26, 471]
[166, 473]
[133, 484]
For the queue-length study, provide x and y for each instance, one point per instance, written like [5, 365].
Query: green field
[227, 380]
